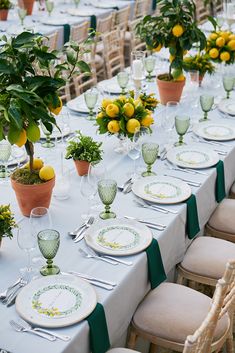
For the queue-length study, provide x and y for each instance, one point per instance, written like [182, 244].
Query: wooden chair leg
[152, 348]
[180, 279]
[132, 340]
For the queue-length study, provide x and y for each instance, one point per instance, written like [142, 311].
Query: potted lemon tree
[28, 97]
[175, 28]
[5, 6]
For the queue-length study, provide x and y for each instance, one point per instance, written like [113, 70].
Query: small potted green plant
[84, 150]
[5, 6]
[7, 222]
[199, 62]
[175, 28]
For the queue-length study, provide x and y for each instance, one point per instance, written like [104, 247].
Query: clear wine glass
[18, 153]
[182, 123]
[5, 153]
[123, 78]
[40, 219]
[49, 6]
[91, 98]
[134, 150]
[149, 64]
[49, 242]
[22, 12]
[27, 242]
[206, 102]
[150, 154]
[228, 83]
[88, 189]
[107, 190]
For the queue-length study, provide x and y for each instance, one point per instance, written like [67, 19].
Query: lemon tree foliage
[29, 83]
[175, 28]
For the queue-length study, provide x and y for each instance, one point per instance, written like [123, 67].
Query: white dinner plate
[54, 21]
[118, 237]
[161, 189]
[104, 5]
[194, 156]
[216, 131]
[81, 12]
[227, 106]
[56, 301]
[78, 105]
[56, 133]
[112, 86]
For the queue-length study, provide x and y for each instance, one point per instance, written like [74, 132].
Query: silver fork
[4, 294]
[19, 328]
[84, 253]
[80, 234]
[27, 326]
[10, 298]
[154, 207]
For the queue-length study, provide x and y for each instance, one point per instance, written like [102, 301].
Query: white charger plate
[118, 237]
[216, 131]
[81, 12]
[161, 189]
[54, 21]
[56, 133]
[194, 156]
[56, 301]
[78, 105]
[227, 106]
[112, 86]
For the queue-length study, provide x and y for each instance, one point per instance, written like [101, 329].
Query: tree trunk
[30, 152]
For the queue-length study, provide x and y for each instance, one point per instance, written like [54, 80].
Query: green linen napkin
[156, 270]
[93, 22]
[99, 336]
[66, 33]
[154, 5]
[192, 223]
[220, 182]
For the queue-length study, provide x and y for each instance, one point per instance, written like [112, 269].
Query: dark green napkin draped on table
[156, 270]
[220, 182]
[66, 33]
[154, 4]
[192, 222]
[99, 336]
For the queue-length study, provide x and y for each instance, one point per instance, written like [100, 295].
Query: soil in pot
[82, 167]
[169, 90]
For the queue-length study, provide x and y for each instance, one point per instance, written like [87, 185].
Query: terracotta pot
[170, 90]
[82, 167]
[27, 4]
[3, 15]
[31, 196]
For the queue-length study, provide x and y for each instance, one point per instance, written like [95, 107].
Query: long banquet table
[120, 303]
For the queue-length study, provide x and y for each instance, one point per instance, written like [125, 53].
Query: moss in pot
[84, 151]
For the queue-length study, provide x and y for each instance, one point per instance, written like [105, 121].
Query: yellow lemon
[37, 164]
[106, 102]
[21, 139]
[100, 115]
[177, 30]
[133, 125]
[231, 37]
[56, 110]
[213, 36]
[129, 110]
[158, 48]
[113, 126]
[225, 56]
[112, 110]
[214, 53]
[225, 35]
[220, 42]
[171, 58]
[33, 132]
[46, 173]
[180, 78]
[231, 44]
[147, 121]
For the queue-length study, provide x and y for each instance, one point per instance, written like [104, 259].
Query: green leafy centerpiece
[175, 28]
[5, 6]
[200, 62]
[29, 96]
[7, 222]
[84, 150]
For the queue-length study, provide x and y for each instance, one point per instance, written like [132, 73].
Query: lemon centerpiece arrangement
[7, 222]
[123, 116]
[175, 28]
[29, 96]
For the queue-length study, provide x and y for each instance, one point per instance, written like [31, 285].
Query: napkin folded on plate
[156, 270]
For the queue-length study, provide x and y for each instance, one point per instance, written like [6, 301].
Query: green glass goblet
[182, 123]
[149, 64]
[49, 6]
[228, 83]
[49, 242]
[149, 153]
[107, 190]
[22, 12]
[206, 102]
[76, 2]
[91, 97]
[48, 143]
[123, 78]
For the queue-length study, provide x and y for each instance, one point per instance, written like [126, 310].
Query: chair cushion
[121, 350]
[172, 312]
[223, 218]
[208, 256]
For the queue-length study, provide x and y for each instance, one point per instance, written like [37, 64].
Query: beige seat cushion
[172, 312]
[223, 219]
[121, 350]
[208, 256]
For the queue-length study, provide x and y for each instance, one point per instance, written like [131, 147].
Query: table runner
[192, 222]
[220, 192]
[99, 337]
[156, 271]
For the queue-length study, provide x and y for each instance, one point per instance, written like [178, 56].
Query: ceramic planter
[170, 91]
[3, 14]
[82, 167]
[27, 4]
[31, 196]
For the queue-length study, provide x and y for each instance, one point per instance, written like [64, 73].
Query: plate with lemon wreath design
[56, 301]
[215, 131]
[119, 237]
[161, 189]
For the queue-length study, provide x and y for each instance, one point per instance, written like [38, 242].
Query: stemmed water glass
[150, 154]
[27, 242]
[107, 190]
[76, 2]
[134, 149]
[228, 83]
[49, 242]
[49, 6]
[168, 121]
[48, 143]
[19, 154]
[91, 98]
[5, 152]
[206, 102]
[88, 189]
[122, 79]
[22, 12]
[182, 123]
[149, 64]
